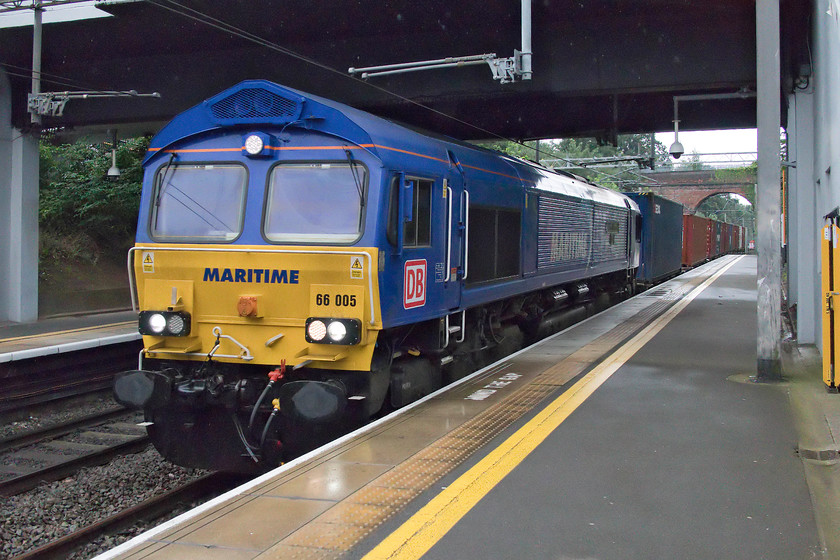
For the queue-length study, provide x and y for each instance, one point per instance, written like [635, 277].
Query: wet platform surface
[677, 455]
[635, 434]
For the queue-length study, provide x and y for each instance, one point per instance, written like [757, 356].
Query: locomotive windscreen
[198, 202]
[315, 202]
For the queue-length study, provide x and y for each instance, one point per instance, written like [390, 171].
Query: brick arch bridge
[690, 188]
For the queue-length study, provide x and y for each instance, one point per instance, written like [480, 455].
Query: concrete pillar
[19, 167]
[805, 223]
[768, 196]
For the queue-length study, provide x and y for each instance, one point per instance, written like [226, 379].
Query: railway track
[46, 379]
[57, 452]
[149, 510]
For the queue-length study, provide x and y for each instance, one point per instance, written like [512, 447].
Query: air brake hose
[273, 377]
[276, 404]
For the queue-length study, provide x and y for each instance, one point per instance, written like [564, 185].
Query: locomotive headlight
[254, 145]
[156, 323]
[337, 331]
[164, 323]
[333, 331]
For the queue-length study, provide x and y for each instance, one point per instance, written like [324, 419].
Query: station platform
[23, 341]
[636, 434]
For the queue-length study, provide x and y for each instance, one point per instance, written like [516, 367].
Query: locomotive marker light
[164, 323]
[346, 332]
[316, 331]
[256, 144]
[157, 323]
[175, 324]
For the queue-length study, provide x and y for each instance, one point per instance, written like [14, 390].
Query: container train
[672, 241]
[301, 266]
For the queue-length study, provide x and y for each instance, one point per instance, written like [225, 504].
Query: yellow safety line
[83, 329]
[423, 530]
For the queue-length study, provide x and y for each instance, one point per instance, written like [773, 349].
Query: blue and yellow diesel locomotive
[302, 264]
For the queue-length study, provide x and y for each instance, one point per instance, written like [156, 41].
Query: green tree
[692, 162]
[77, 197]
[747, 175]
[579, 150]
[87, 220]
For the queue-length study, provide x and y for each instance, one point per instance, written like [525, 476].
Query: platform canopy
[600, 67]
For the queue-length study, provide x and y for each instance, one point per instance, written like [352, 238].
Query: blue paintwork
[386, 149]
[661, 237]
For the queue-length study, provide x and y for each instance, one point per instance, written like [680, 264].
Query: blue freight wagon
[661, 238]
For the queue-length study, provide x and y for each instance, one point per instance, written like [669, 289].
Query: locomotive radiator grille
[564, 233]
[574, 234]
[609, 234]
[255, 103]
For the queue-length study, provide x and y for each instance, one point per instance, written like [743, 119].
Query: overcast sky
[68, 12]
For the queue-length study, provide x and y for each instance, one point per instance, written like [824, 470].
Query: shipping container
[714, 239]
[695, 248]
[725, 238]
[741, 243]
[661, 237]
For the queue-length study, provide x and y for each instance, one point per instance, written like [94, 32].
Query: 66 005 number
[338, 300]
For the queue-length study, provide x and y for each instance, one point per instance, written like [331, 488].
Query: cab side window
[418, 231]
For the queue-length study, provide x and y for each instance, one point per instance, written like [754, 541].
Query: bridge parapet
[691, 188]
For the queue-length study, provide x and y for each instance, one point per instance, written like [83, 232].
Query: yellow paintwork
[831, 303]
[191, 278]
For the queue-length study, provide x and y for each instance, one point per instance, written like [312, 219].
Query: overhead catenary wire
[206, 19]
[48, 77]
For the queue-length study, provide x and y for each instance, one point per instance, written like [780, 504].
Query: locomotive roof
[254, 103]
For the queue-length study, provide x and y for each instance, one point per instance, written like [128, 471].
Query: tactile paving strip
[344, 525]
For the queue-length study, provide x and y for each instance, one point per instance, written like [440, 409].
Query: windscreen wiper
[163, 180]
[356, 179]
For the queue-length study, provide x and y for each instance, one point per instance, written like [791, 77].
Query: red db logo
[414, 281]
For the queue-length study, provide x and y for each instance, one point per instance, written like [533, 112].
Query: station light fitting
[114, 171]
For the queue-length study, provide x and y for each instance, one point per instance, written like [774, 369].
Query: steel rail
[61, 429]
[149, 509]
[25, 482]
